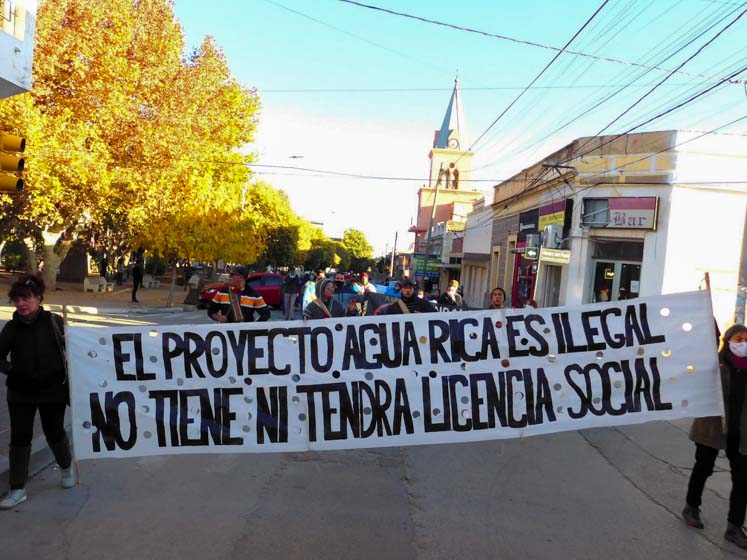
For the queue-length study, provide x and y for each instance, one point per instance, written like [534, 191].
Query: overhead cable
[529, 43]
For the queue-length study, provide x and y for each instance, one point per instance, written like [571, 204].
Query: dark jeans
[22, 422]
[705, 459]
[135, 285]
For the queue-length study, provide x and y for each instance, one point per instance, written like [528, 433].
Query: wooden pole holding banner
[721, 393]
[74, 463]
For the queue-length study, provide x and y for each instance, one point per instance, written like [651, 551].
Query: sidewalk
[71, 294]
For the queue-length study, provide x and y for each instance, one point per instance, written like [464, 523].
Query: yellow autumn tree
[126, 136]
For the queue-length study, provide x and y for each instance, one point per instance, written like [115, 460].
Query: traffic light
[11, 163]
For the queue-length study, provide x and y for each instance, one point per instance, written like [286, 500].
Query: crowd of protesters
[32, 356]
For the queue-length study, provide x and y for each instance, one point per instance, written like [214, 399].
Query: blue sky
[387, 81]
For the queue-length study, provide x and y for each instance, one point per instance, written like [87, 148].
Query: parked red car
[267, 284]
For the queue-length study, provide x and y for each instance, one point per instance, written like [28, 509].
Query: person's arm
[5, 344]
[262, 309]
[214, 310]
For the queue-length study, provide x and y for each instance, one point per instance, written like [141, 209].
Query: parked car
[267, 284]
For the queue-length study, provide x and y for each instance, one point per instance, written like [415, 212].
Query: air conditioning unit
[552, 236]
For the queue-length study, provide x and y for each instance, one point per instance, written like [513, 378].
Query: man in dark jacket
[238, 301]
[409, 302]
[291, 287]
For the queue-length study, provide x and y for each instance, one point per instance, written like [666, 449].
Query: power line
[525, 42]
[538, 76]
[533, 186]
[610, 96]
[441, 90]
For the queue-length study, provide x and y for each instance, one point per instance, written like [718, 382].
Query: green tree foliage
[355, 242]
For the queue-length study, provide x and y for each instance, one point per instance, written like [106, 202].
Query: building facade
[617, 217]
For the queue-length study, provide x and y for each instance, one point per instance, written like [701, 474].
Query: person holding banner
[497, 298]
[409, 303]
[325, 306]
[238, 301]
[709, 436]
[37, 380]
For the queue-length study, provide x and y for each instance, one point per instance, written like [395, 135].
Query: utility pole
[441, 172]
[394, 250]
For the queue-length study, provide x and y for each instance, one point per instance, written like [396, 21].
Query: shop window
[618, 250]
[596, 212]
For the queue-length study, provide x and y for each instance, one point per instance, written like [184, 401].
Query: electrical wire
[524, 42]
[589, 109]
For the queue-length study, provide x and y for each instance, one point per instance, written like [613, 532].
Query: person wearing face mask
[37, 380]
[709, 436]
[451, 297]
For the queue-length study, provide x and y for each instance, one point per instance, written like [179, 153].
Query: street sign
[531, 253]
[558, 256]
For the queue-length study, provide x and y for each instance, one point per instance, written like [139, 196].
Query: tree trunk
[32, 264]
[2, 246]
[172, 287]
[51, 258]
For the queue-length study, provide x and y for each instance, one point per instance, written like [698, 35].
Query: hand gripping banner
[390, 380]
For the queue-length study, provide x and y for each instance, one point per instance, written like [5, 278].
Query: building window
[596, 212]
[13, 18]
[618, 250]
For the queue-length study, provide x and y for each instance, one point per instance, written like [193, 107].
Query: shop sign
[633, 212]
[557, 256]
[550, 214]
[528, 223]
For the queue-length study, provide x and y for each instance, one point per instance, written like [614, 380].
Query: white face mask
[738, 349]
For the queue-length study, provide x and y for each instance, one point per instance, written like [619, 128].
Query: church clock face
[454, 144]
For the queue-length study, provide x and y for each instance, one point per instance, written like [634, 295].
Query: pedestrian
[237, 302]
[409, 302]
[291, 286]
[324, 305]
[367, 286]
[103, 266]
[37, 380]
[451, 297]
[709, 436]
[497, 298]
[137, 277]
[120, 270]
[309, 290]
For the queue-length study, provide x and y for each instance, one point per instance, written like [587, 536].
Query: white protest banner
[394, 380]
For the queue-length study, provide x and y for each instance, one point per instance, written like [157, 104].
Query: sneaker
[13, 498]
[736, 535]
[67, 477]
[691, 515]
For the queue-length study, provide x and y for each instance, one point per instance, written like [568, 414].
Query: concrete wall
[705, 235]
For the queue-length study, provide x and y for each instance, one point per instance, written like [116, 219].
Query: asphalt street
[604, 493]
